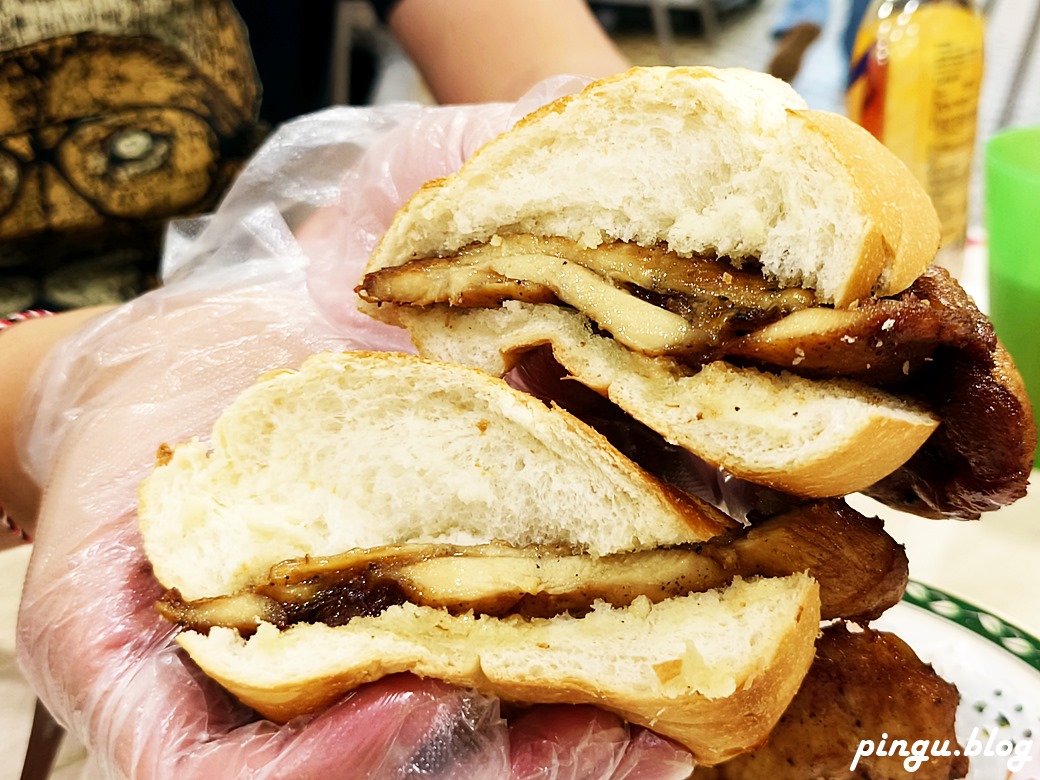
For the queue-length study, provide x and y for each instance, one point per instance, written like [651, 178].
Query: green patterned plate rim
[1016, 641]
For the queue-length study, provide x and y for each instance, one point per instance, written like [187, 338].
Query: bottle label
[868, 79]
[914, 83]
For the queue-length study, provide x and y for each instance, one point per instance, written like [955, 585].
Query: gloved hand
[264, 282]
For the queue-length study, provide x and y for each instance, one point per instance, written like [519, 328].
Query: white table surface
[992, 563]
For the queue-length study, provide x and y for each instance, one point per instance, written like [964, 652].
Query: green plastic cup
[1012, 214]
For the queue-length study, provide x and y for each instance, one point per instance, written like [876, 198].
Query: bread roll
[705, 163]
[724, 162]
[714, 670]
[360, 450]
[805, 437]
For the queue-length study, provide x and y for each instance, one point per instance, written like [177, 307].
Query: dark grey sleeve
[383, 8]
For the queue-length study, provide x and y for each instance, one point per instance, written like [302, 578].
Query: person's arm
[22, 349]
[472, 51]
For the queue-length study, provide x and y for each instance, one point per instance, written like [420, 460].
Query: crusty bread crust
[907, 225]
[805, 437]
[714, 670]
[702, 160]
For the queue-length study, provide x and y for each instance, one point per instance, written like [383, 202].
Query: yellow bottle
[914, 83]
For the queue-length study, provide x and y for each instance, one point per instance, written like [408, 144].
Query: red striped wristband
[21, 316]
[9, 525]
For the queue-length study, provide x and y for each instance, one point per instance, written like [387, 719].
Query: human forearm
[473, 51]
[23, 348]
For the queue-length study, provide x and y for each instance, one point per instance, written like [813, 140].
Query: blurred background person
[799, 24]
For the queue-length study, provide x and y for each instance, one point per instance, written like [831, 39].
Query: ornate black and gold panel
[108, 133]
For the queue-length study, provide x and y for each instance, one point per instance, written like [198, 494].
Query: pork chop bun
[375, 513]
[749, 278]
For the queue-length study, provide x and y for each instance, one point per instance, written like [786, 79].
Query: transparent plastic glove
[261, 284]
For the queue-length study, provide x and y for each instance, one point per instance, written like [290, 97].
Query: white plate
[995, 665]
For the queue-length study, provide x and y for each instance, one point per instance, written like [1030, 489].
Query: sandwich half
[748, 278]
[374, 513]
